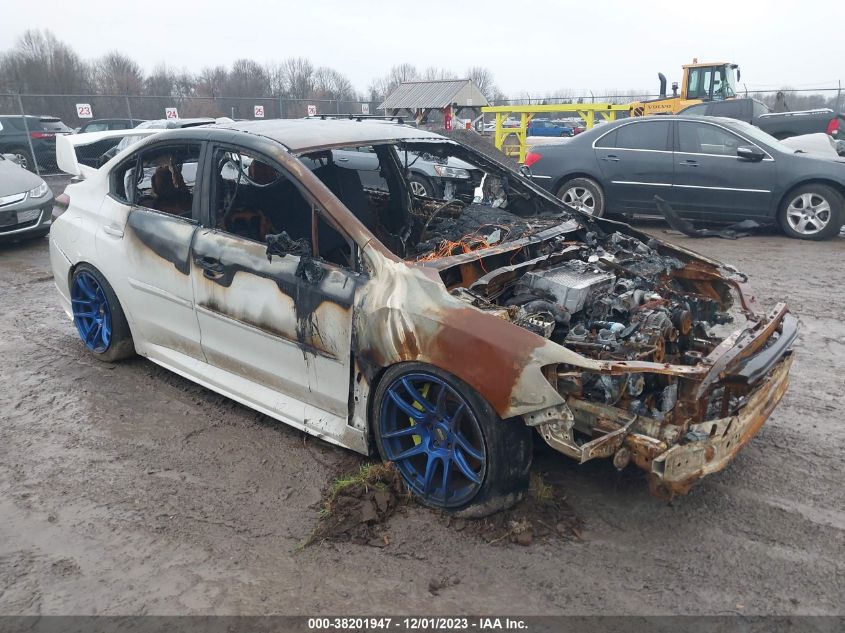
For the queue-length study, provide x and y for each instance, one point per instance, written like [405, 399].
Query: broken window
[366, 179]
[430, 199]
[476, 204]
[162, 180]
[254, 199]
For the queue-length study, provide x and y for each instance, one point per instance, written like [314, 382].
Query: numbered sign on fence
[259, 111]
[312, 110]
[365, 108]
[83, 111]
[171, 113]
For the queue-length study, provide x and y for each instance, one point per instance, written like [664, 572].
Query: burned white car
[444, 334]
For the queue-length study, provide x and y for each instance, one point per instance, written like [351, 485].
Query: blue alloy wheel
[91, 312]
[431, 433]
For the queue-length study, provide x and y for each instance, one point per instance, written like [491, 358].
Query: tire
[98, 317]
[811, 212]
[24, 157]
[487, 459]
[584, 194]
[421, 186]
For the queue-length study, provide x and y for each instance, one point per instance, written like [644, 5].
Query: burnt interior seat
[347, 186]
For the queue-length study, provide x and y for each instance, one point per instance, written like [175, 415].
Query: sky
[531, 47]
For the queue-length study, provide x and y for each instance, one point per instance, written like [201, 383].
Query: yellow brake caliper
[424, 392]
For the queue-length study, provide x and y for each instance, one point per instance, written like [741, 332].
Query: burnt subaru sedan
[445, 334]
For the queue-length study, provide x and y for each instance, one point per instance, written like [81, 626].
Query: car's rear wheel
[811, 212]
[584, 194]
[98, 317]
[450, 447]
[23, 157]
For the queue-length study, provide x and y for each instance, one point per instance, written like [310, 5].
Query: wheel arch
[86, 262]
[838, 187]
[426, 178]
[500, 361]
[557, 184]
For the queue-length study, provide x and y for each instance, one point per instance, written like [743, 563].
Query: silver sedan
[26, 203]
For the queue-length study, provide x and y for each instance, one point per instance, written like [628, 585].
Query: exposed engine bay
[631, 302]
[668, 364]
[617, 299]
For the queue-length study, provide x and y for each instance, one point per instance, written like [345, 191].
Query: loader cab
[709, 82]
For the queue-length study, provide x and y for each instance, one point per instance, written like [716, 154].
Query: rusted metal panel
[680, 466]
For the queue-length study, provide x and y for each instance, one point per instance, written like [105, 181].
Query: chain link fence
[795, 98]
[32, 138]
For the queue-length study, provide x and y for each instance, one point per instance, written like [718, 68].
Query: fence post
[28, 137]
[129, 111]
[281, 108]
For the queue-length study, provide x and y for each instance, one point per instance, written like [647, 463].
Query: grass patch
[539, 489]
[356, 505]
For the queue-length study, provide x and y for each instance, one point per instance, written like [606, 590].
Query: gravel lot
[125, 489]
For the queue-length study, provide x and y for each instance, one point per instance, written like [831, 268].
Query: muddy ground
[125, 489]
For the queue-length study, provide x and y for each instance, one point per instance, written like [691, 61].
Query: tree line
[41, 64]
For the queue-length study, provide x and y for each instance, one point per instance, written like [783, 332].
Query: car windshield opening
[429, 200]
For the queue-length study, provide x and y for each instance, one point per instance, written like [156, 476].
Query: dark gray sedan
[712, 169]
[26, 203]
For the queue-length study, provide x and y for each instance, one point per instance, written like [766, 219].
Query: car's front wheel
[421, 186]
[98, 317]
[584, 194]
[812, 212]
[450, 447]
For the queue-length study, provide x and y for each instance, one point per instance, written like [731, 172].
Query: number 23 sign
[83, 111]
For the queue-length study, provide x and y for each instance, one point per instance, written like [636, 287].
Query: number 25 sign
[83, 111]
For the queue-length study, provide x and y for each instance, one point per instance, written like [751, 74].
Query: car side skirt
[298, 414]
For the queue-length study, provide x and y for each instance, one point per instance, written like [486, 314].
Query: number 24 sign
[83, 111]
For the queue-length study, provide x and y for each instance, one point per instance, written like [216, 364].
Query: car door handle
[689, 163]
[613, 158]
[342, 160]
[211, 267]
[113, 231]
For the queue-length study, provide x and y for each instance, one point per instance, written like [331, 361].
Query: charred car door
[149, 219]
[268, 311]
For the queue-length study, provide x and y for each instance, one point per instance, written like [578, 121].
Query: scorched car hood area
[609, 342]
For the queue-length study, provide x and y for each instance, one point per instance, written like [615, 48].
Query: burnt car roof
[300, 135]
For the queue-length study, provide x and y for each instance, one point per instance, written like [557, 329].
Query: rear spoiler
[66, 145]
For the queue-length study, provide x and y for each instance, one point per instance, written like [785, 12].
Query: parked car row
[31, 139]
[548, 127]
[706, 168]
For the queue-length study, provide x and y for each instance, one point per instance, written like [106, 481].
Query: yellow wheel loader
[702, 82]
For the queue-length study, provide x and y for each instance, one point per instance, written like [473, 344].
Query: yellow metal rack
[586, 111]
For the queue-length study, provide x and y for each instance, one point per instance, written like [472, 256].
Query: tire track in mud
[183, 501]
